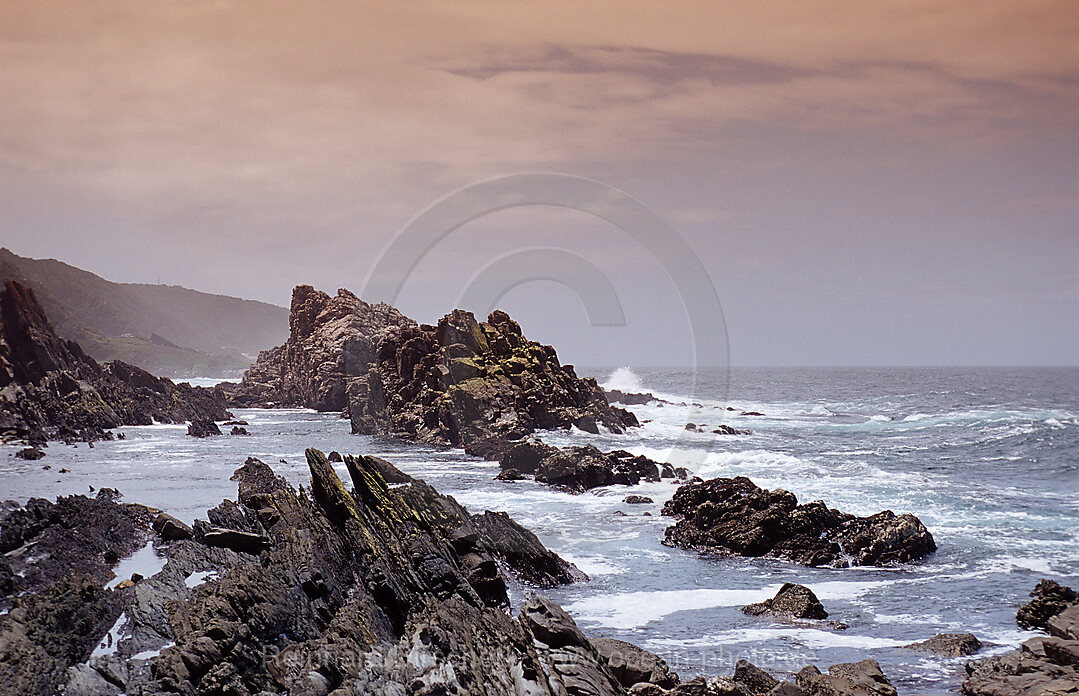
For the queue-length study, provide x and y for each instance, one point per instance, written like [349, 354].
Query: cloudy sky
[865, 183]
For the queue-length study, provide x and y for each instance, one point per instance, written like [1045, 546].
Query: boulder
[632, 665]
[734, 517]
[637, 500]
[29, 453]
[790, 602]
[949, 645]
[238, 430]
[203, 428]
[171, 529]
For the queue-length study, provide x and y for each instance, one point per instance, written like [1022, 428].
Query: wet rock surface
[1043, 665]
[381, 589]
[203, 428]
[574, 469]
[949, 644]
[50, 389]
[734, 517]
[790, 602]
[464, 382]
[332, 340]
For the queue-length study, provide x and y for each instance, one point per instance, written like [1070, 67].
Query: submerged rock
[1043, 665]
[734, 517]
[575, 469]
[791, 602]
[50, 389]
[29, 453]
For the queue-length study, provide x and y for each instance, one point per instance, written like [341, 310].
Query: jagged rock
[949, 644]
[332, 340]
[29, 453]
[237, 430]
[632, 665]
[578, 469]
[171, 529]
[734, 517]
[846, 679]
[203, 428]
[629, 398]
[335, 457]
[464, 382]
[236, 422]
[509, 475]
[523, 552]
[1049, 599]
[1043, 665]
[637, 500]
[791, 602]
[50, 389]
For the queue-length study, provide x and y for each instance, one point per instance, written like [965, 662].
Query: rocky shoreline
[51, 390]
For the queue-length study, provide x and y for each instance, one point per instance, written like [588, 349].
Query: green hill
[166, 329]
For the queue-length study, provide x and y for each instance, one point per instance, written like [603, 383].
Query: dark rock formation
[203, 427]
[629, 398]
[637, 500]
[733, 517]
[171, 529]
[238, 430]
[728, 430]
[29, 454]
[632, 665]
[578, 469]
[1043, 665]
[332, 340]
[464, 382]
[381, 591]
[1049, 599]
[49, 388]
[791, 602]
[949, 644]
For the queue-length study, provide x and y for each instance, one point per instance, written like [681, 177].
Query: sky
[887, 183]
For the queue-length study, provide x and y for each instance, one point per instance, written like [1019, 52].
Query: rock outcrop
[949, 645]
[1043, 665]
[572, 469]
[463, 382]
[734, 517]
[791, 602]
[50, 389]
[332, 340]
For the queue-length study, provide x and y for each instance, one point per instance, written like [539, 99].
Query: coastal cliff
[50, 388]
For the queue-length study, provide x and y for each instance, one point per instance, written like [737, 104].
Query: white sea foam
[623, 379]
[812, 638]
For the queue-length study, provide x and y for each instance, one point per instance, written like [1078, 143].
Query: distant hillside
[166, 329]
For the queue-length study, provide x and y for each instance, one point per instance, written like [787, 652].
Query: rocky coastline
[51, 390]
[382, 589]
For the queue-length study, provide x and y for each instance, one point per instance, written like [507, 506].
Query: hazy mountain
[166, 329]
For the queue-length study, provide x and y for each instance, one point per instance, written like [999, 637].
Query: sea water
[988, 458]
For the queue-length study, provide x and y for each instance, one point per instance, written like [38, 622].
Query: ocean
[988, 458]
